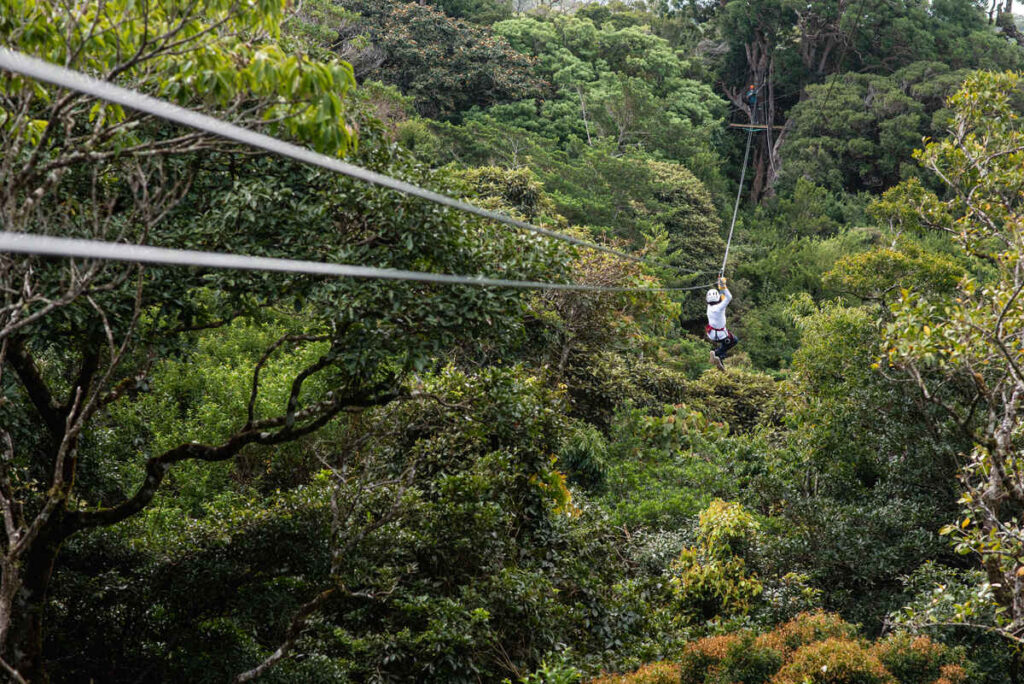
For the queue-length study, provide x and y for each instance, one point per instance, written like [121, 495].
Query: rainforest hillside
[220, 474]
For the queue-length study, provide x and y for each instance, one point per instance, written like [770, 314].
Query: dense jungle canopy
[213, 475]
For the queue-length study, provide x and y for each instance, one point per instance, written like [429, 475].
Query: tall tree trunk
[1008, 23]
[759, 164]
[766, 162]
[761, 62]
[26, 584]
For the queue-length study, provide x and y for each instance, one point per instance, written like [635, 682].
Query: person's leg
[728, 343]
[725, 345]
[713, 356]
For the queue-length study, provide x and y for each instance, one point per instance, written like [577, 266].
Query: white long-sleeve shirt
[716, 317]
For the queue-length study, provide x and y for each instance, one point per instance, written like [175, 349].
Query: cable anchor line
[41, 70]
[736, 207]
[50, 246]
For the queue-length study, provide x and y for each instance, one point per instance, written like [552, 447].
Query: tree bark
[1008, 23]
[759, 163]
[761, 63]
[295, 628]
[27, 588]
[31, 547]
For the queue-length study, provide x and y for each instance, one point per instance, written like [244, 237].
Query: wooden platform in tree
[756, 127]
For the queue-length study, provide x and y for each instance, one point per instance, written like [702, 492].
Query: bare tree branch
[295, 628]
[257, 433]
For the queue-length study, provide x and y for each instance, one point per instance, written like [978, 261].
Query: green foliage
[882, 272]
[630, 197]
[525, 487]
[560, 671]
[953, 32]
[771, 335]
[799, 265]
[171, 578]
[939, 596]
[477, 11]
[710, 580]
[481, 553]
[970, 340]
[810, 211]
[829, 476]
[725, 528]
[857, 132]
[517, 192]
[615, 83]
[191, 366]
[913, 660]
[711, 588]
[651, 456]
[446, 65]
[207, 68]
[736, 658]
[740, 399]
[583, 456]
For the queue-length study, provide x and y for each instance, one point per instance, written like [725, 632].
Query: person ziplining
[718, 298]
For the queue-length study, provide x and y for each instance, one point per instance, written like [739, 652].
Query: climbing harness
[708, 328]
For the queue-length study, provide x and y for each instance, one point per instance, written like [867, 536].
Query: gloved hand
[722, 283]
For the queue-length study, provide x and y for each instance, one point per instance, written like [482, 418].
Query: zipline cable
[46, 245]
[736, 207]
[768, 138]
[33, 67]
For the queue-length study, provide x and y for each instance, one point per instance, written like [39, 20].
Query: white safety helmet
[713, 296]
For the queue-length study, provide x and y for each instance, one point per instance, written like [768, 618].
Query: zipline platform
[756, 127]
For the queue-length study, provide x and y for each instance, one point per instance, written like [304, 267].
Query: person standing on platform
[750, 97]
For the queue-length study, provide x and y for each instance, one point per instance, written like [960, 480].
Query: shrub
[833, 661]
[726, 529]
[786, 597]
[739, 398]
[912, 659]
[654, 673]
[807, 628]
[517, 190]
[812, 648]
[558, 671]
[653, 551]
[734, 658]
[951, 674]
[702, 658]
[747, 662]
[583, 456]
[711, 580]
